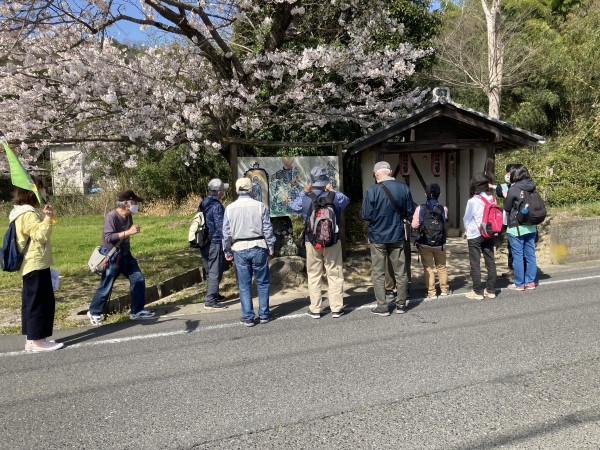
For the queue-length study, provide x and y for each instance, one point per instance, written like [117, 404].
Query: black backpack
[11, 258]
[321, 225]
[536, 208]
[432, 230]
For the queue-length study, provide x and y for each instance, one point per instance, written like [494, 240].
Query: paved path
[520, 371]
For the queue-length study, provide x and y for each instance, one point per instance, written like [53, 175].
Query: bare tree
[484, 51]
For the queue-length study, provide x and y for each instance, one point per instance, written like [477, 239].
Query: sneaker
[380, 311]
[489, 294]
[264, 320]
[94, 319]
[309, 313]
[42, 346]
[530, 286]
[431, 297]
[214, 306]
[248, 322]
[444, 294]
[400, 309]
[390, 296]
[220, 297]
[338, 314]
[142, 315]
[514, 287]
[474, 296]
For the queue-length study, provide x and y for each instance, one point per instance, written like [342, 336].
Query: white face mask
[507, 178]
[134, 208]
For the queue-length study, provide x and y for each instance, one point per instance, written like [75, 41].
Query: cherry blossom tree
[226, 69]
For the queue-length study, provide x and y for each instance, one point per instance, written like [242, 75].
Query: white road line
[569, 280]
[235, 324]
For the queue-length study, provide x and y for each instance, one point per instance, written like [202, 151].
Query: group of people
[521, 237]
[33, 233]
[242, 233]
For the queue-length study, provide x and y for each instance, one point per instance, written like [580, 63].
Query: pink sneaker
[530, 286]
[42, 345]
[514, 287]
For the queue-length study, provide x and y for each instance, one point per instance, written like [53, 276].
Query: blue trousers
[213, 260]
[120, 264]
[255, 261]
[524, 261]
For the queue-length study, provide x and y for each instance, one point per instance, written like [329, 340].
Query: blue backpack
[11, 258]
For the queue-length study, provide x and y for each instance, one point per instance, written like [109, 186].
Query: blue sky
[128, 32]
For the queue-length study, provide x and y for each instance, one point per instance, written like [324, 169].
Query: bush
[356, 228]
[564, 169]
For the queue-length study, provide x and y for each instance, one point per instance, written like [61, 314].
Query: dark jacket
[213, 215]
[513, 199]
[385, 224]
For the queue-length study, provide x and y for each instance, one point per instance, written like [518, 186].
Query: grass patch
[577, 210]
[161, 249]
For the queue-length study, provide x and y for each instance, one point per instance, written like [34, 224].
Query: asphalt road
[521, 371]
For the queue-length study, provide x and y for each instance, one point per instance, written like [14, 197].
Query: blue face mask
[133, 208]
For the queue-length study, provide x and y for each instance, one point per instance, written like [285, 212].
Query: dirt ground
[289, 274]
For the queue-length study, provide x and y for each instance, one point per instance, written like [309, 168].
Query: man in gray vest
[248, 240]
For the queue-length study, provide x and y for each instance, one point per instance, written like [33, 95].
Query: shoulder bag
[99, 262]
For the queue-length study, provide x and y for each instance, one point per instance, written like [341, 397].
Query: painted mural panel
[279, 180]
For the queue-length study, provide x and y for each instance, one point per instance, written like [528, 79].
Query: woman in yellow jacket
[37, 297]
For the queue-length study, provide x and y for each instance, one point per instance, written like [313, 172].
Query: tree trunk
[495, 57]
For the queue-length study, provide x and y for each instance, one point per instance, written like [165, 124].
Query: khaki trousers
[390, 281]
[434, 257]
[381, 254]
[329, 258]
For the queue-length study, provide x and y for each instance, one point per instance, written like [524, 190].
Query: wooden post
[340, 155]
[407, 254]
[458, 194]
[490, 163]
[447, 185]
[471, 163]
[233, 156]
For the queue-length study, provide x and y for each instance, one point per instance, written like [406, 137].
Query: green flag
[18, 174]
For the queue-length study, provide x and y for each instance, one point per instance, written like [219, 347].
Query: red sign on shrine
[405, 164]
[436, 163]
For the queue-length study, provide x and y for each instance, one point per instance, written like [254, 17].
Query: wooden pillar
[471, 163]
[447, 186]
[407, 254]
[490, 163]
[233, 161]
[340, 155]
[458, 194]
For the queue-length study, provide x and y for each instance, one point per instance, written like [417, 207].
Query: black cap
[128, 195]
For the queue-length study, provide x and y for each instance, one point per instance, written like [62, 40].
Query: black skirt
[37, 305]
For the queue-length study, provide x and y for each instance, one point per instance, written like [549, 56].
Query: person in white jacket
[477, 244]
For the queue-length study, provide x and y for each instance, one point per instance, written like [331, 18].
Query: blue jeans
[255, 261]
[120, 264]
[524, 262]
[213, 260]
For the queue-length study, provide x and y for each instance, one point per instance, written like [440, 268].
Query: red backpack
[491, 222]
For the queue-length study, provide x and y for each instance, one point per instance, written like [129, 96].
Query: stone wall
[574, 240]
